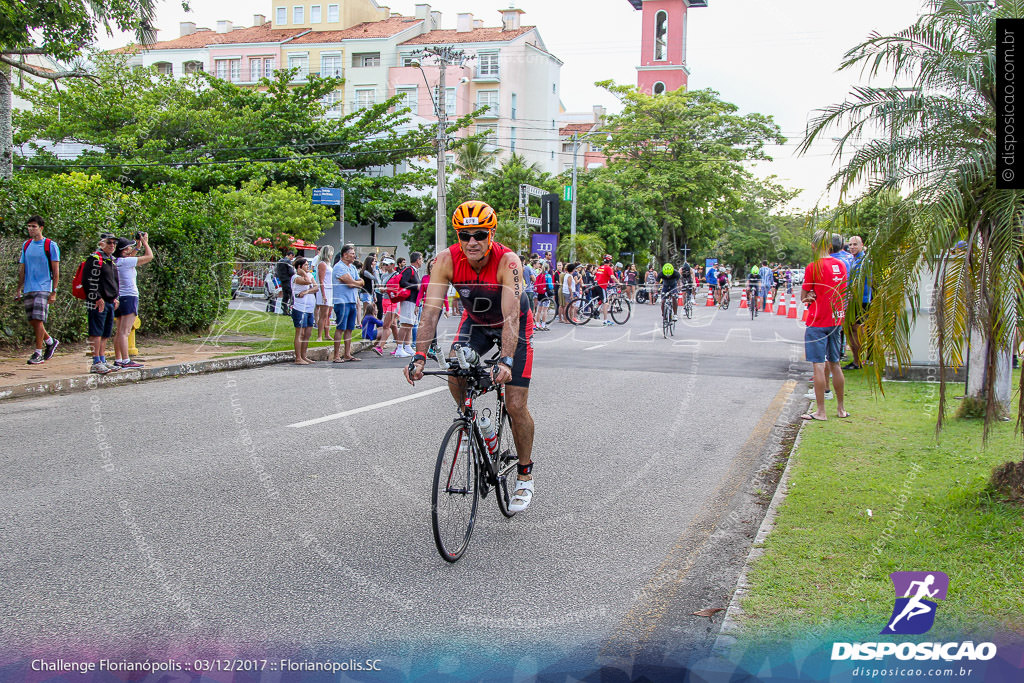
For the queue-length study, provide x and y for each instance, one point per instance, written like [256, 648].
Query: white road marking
[591, 348]
[333, 448]
[366, 409]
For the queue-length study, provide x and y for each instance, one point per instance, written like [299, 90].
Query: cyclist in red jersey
[604, 276]
[489, 279]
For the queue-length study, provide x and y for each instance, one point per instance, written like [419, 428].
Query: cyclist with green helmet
[754, 285]
[669, 280]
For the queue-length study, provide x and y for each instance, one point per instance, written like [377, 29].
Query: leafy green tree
[589, 248]
[680, 157]
[273, 211]
[60, 30]
[935, 146]
[204, 132]
[758, 231]
[607, 208]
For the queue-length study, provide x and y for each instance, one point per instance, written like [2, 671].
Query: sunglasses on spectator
[479, 235]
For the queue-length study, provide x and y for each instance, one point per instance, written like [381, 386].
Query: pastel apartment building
[510, 73]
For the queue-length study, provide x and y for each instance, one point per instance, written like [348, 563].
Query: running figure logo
[914, 612]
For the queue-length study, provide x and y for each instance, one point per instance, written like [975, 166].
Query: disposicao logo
[913, 614]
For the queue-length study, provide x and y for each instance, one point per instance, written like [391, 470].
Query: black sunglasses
[479, 235]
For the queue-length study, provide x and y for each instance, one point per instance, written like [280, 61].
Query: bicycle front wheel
[579, 312]
[688, 308]
[455, 496]
[620, 310]
[549, 314]
[506, 461]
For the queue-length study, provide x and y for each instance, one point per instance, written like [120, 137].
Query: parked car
[798, 276]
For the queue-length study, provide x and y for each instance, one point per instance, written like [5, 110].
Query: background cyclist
[490, 281]
[711, 277]
[754, 284]
[687, 280]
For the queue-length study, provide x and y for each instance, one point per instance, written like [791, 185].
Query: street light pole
[576, 139]
[445, 55]
[572, 237]
[441, 218]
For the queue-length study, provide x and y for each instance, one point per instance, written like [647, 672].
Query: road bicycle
[643, 294]
[467, 468]
[725, 299]
[688, 306]
[668, 324]
[582, 310]
[753, 302]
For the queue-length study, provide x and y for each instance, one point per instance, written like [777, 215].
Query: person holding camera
[100, 284]
[127, 262]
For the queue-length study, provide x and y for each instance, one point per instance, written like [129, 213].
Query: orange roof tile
[370, 29]
[477, 35]
[206, 37]
[571, 128]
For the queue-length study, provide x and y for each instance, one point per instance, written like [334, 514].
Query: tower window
[661, 35]
[659, 88]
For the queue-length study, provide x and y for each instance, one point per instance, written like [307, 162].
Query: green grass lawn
[827, 561]
[277, 332]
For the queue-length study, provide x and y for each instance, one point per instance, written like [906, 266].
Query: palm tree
[473, 160]
[931, 137]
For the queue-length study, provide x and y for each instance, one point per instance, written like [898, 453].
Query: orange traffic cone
[743, 300]
[781, 310]
[711, 299]
[791, 313]
[768, 308]
[803, 319]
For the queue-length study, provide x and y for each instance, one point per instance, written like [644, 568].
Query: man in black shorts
[489, 279]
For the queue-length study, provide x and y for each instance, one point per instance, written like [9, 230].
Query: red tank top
[480, 292]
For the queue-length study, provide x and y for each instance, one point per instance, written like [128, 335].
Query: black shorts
[482, 339]
[601, 294]
[101, 324]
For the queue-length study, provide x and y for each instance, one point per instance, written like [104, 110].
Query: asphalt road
[194, 515]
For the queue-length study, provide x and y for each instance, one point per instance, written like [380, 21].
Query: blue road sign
[328, 196]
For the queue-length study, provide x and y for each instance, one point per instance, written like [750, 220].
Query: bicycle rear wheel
[549, 313]
[620, 309]
[507, 459]
[455, 495]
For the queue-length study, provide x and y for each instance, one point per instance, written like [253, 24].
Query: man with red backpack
[38, 274]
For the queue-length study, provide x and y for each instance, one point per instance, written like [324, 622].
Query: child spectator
[370, 322]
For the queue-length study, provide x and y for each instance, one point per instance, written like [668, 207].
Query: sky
[776, 58]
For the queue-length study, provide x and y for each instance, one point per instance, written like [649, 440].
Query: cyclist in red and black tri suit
[489, 279]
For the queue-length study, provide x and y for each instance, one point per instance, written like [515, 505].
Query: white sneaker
[828, 395]
[401, 353]
[608, 322]
[521, 497]
[409, 350]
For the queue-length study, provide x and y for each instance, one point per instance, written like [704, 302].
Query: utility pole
[572, 221]
[445, 56]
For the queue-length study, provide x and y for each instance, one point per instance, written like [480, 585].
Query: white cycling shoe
[521, 497]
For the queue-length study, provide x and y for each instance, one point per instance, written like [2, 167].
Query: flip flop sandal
[521, 497]
[353, 359]
[340, 360]
[843, 417]
[809, 416]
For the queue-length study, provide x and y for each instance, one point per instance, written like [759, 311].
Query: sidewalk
[68, 370]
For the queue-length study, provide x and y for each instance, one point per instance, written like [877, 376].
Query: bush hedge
[181, 290]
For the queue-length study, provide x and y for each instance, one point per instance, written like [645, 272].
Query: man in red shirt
[605, 275]
[825, 286]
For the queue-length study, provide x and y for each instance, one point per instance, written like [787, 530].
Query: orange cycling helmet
[474, 214]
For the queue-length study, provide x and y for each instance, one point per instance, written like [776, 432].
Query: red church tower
[663, 60]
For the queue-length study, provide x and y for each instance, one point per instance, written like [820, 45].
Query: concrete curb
[85, 382]
[730, 624]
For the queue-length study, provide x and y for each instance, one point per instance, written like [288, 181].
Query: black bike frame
[467, 415]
